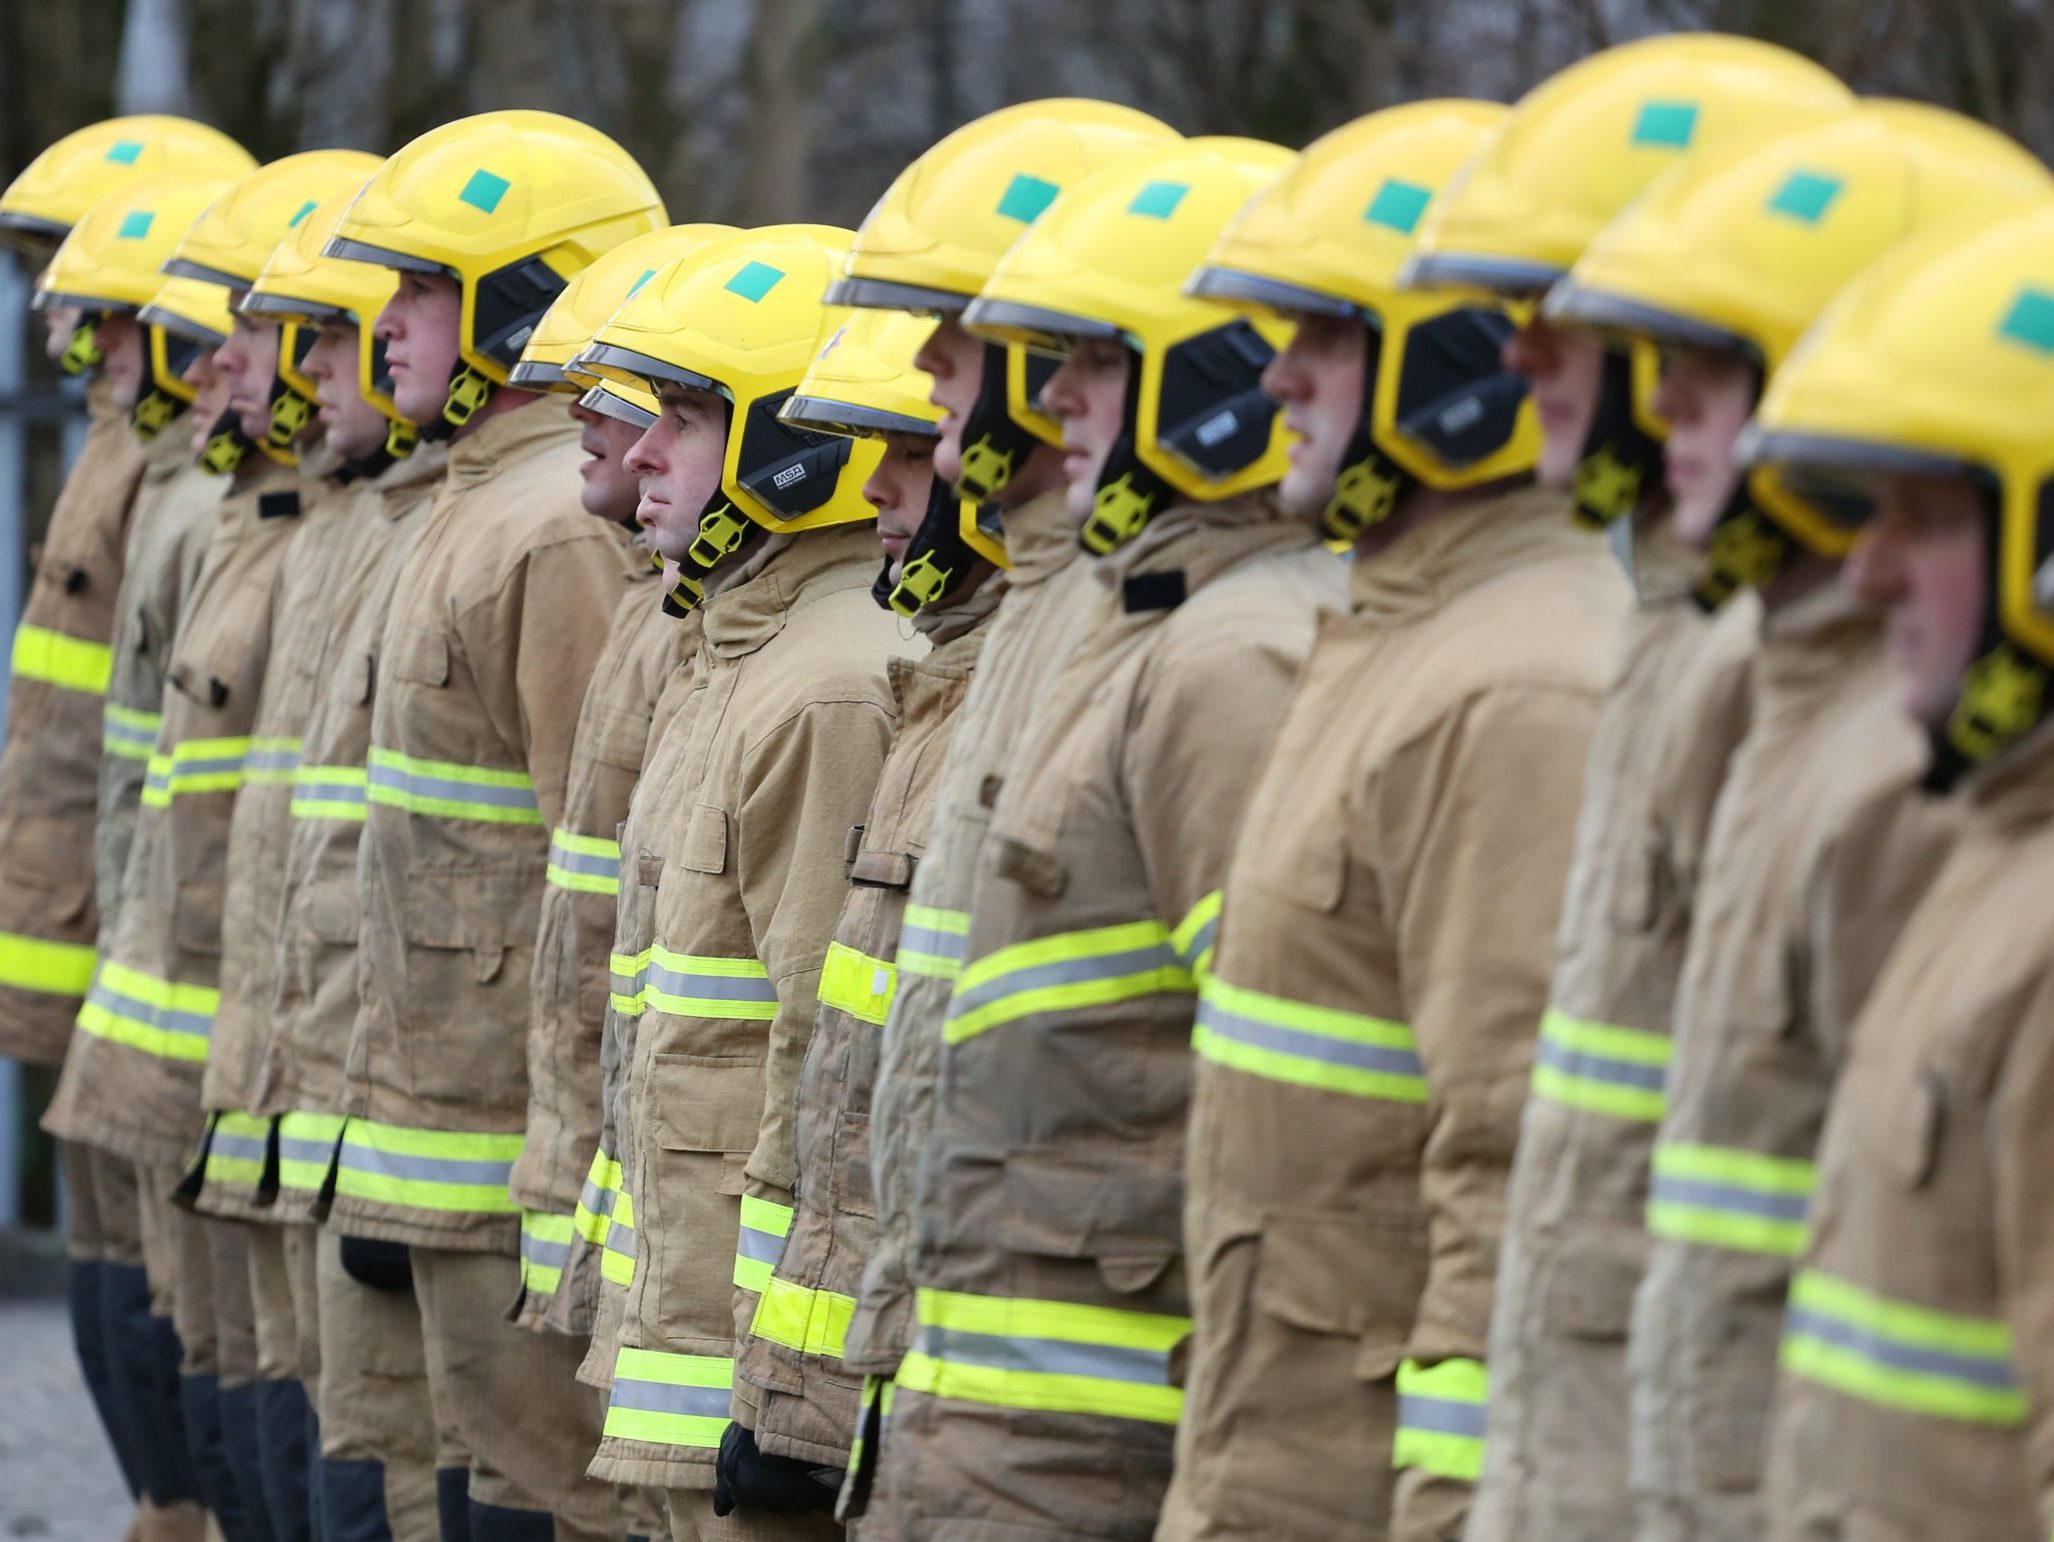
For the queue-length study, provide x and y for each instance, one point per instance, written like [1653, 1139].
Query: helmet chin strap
[82, 349]
[1128, 494]
[1369, 484]
[155, 410]
[291, 412]
[1747, 550]
[1620, 459]
[227, 446]
[994, 446]
[938, 559]
[2005, 691]
[469, 390]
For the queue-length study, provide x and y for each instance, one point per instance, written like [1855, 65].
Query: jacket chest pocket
[469, 943]
[703, 847]
[423, 657]
[1309, 873]
[1352, 1278]
[620, 738]
[1639, 886]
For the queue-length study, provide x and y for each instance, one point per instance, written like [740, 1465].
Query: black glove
[385, 1266]
[744, 1478]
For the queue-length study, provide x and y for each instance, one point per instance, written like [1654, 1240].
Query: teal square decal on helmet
[1398, 206]
[125, 152]
[1669, 125]
[301, 213]
[1806, 195]
[636, 287]
[1159, 200]
[484, 190]
[2030, 320]
[753, 280]
[1026, 197]
[135, 225]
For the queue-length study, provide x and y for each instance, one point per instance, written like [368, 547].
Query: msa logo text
[787, 477]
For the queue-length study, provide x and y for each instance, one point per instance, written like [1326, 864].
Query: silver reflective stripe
[271, 760]
[208, 765]
[666, 1398]
[550, 1255]
[416, 784]
[582, 861]
[711, 987]
[620, 1235]
[1978, 1369]
[113, 732]
[1601, 1068]
[595, 1199]
[103, 995]
[762, 1247]
[1441, 1415]
[250, 1148]
[1200, 941]
[1308, 1046]
[1706, 1195]
[424, 1169]
[1053, 1357]
[1067, 971]
[300, 1149]
[928, 939]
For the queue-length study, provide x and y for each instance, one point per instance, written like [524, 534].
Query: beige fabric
[498, 615]
[164, 1228]
[525, 1425]
[1043, 600]
[304, 1042]
[781, 757]
[568, 1002]
[301, 1279]
[237, 1360]
[175, 512]
[131, 1081]
[692, 1520]
[809, 1398]
[103, 1211]
[273, 1314]
[1401, 863]
[373, 1400]
[1820, 846]
[1933, 1197]
[51, 760]
[1056, 1166]
[1575, 1241]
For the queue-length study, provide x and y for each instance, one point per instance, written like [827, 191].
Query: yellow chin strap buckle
[468, 391]
[153, 414]
[82, 349]
[1363, 496]
[1118, 511]
[224, 452]
[685, 596]
[985, 468]
[400, 439]
[921, 582]
[2000, 699]
[1607, 485]
[720, 532]
[290, 413]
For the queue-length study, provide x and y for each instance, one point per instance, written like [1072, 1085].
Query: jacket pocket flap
[1591, 1291]
[704, 849]
[330, 910]
[1038, 872]
[1351, 1276]
[697, 1104]
[487, 911]
[423, 657]
[1062, 1209]
[882, 869]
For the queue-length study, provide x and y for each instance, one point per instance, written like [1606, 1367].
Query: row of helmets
[1877, 262]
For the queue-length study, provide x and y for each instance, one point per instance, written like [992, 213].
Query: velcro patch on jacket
[1153, 591]
[278, 505]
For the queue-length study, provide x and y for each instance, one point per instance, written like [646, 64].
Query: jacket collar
[1459, 548]
[1809, 644]
[1041, 539]
[165, 455]
[808, 567]
[1661, 567]
[508, 437]
[399, 485]
[1203, 541]
[2017, 788]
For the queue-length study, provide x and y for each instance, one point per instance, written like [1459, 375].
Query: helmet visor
[1231, 286]
[883, 294]
[606, 404]
[1510, 277]
[851, 420]
[628, 364]
[1033, 326]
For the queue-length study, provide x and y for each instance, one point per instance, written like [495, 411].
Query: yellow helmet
[91, 164]
[592, 296]
[112, 260]
[863, 384]
[1582, 145]
[1740, 249]
[192, 316]
[512, 206]
[740, 316]
[1329, 237]
[1940, 358]
[932, 240]
[1110, 261]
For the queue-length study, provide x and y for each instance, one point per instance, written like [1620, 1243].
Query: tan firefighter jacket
[297, 1080]
[567, 1009]
[495, 623]
[1050, 1277]
[131, 1081]
[176, 506]
[1575, 1240]
[49, 766]
[1917, 1394]
[792, 1356]
[1365, 1041]
[591, 1297]
[782, 755]
[1820, 846]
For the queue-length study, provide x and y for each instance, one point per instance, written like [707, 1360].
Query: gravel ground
[58, 1480]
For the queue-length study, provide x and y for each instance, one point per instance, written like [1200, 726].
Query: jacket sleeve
[804, 784]
[2020, 1136]
[533, 645]
[1482, 811]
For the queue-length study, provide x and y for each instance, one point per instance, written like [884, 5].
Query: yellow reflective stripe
[813, 1322]
[596, 1199]
[857, 984]
[71, 662]
[663, 1399]
[1068, 972]
[439, 1170]
[693, 985]
[1193, 938]
[545, 1249]
[127, 733]
[1899, 1355]
[238, 1145]
[1293, 1041]
[38, 964]
[141, 1012]
[931, 941]
[306, 1149]
[196, 766]
[1441, 1418]
[1601, 1068]
[330, 792]
[765, 1225]
[448, 790]
[1729, 1197]
[617, 1260]
[584, 864]
[1055, 1356]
